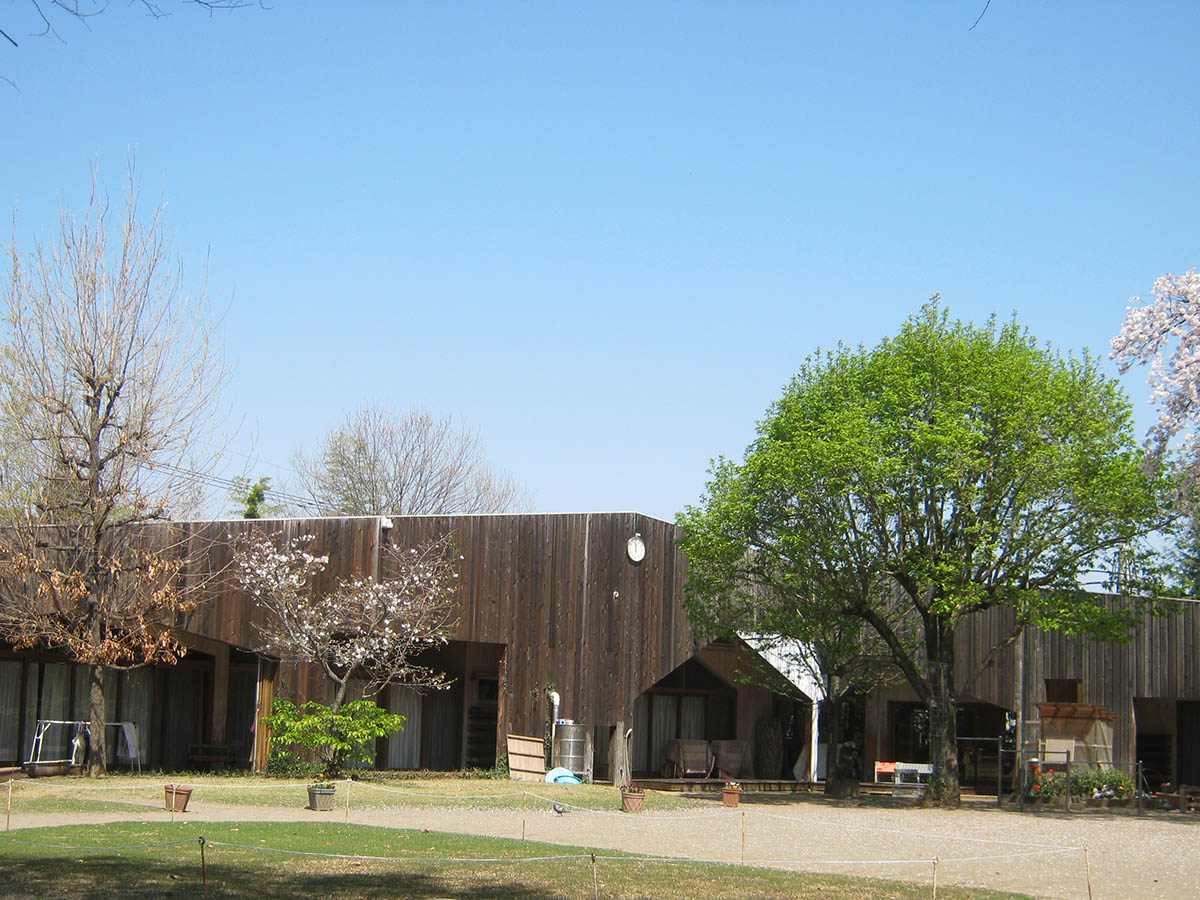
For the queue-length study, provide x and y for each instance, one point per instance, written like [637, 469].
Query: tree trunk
[839, 782]
[97, 746]
[943, 722]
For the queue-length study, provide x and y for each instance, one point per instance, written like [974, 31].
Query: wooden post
[620, 766]
[203, 868]
[743, 836]
[349, 781]
[595, 880]
[1087, 866]
[935, 868]
[8, 811]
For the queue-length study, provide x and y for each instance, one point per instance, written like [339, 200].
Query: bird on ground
[559, 808]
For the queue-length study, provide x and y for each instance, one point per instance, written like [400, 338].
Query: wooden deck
[714, 785]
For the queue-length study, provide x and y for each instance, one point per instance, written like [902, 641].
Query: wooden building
[1147, 689]
[586, 605]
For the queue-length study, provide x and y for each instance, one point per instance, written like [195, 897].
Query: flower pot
[632, 801]
[730, 798]
[321, 798]
[177, 798]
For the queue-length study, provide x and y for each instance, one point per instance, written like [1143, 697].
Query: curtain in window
[404, 747]
[56, 704]
[137, 689]
[10, 712]
[664, 721]
[691, 718]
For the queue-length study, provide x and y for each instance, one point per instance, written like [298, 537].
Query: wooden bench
[209, 754]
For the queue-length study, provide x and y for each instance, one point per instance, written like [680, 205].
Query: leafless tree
[382, 462]
[109, 376]
[47, 13]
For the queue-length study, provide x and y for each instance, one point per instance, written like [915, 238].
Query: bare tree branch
[109, 375]
[380, 462]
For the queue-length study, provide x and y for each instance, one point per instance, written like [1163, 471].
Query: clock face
[636, 548]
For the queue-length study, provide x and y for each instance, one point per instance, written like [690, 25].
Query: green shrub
[334, 737]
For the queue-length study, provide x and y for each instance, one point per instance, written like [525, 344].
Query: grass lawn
[248, 870]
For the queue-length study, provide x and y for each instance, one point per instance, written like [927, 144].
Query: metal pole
[1068, 781]
[595, 880]
[1020, 762]
[1087, 865]
[8, 812]
[349, 781]
[935, 867]
[999, 771]
[1141, 789]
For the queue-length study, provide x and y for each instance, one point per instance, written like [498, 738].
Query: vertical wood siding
[558, 590]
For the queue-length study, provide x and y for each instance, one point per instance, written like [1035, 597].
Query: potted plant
[632, 798]
[177, 797]
[320, 795]
[731, 793]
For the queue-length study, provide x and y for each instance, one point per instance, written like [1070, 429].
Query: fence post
[595, 880]
[349, 781]
[203, 868]
[1087, 866]
[8, 810]
[935, 867]
[1141, 789]
[1068, 781]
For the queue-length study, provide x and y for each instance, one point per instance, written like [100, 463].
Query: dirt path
[1156, 857]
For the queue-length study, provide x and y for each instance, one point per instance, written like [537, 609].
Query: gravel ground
[1154, 857]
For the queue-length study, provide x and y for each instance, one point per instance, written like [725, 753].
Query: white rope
[405, 793]
[425, 859]
[150, 787]
[105, 849]
[903, 831]
[664, 816]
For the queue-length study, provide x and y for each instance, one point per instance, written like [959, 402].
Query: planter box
[730, 798]
[632, 802]
[176, 798]
[321, 799]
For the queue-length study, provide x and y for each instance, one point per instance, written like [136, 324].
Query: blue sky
[606, 235]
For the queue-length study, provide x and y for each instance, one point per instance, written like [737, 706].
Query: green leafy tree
[910, 487]
[250, 499]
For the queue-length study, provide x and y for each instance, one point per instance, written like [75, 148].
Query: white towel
[129, 733]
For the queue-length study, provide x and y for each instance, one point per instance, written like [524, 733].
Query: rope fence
[540, 805]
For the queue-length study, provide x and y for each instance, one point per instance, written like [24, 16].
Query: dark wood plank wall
[574, 612]
[558, 590]
[1162, 659]
[227, 614]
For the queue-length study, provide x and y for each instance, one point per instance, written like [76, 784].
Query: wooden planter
[321, 799]
[177, 798]
[632, 801]
[730, 798]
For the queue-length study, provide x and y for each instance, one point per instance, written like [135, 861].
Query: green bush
[334, 737]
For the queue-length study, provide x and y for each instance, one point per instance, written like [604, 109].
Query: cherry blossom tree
[363, 627]
[1165, 334]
